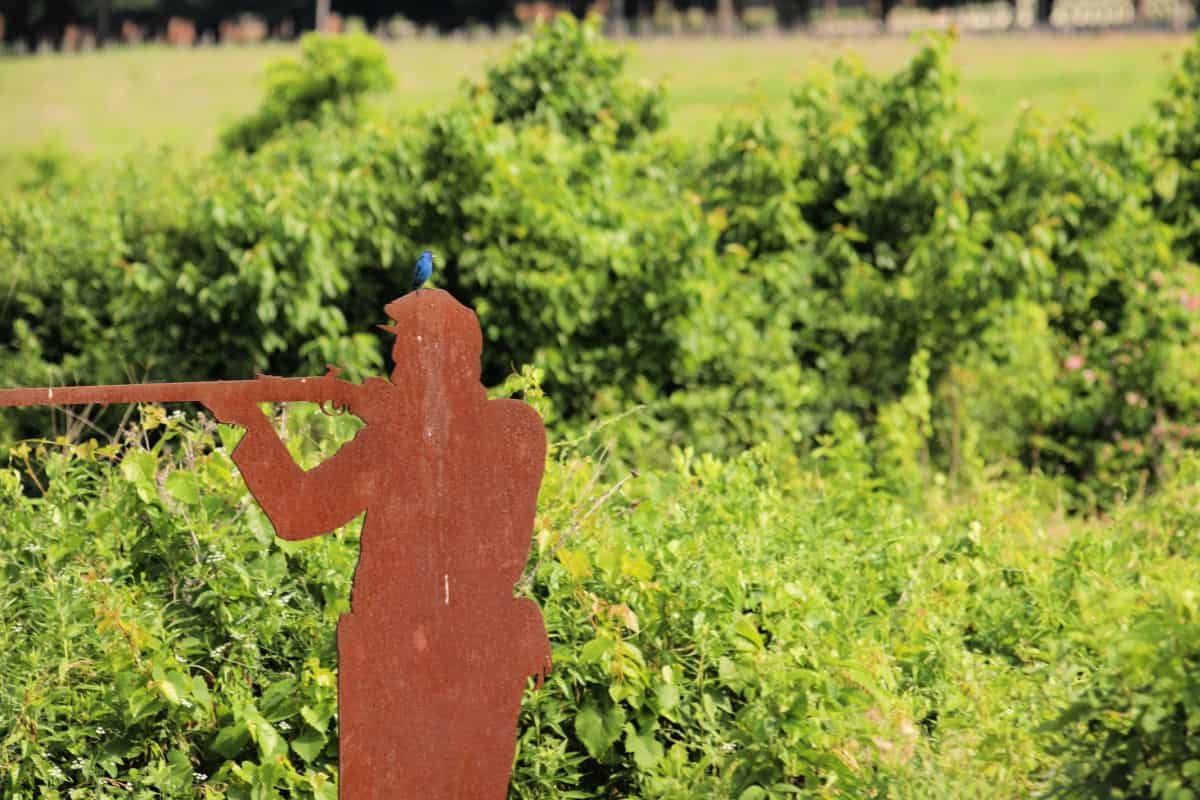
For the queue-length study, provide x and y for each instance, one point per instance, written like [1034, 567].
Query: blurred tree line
[33, 21]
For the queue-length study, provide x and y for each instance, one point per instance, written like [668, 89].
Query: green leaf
[309, 744]
[142, 703]
[319, 720]
[176, 687]
[231, 740]
[182, 486]
[747, 633]
[230, 435]
[666, 696]
[270, 743]
[281, 700]
[1166, 182]
[139, 467]
[645, 749]
[576, 563]
[260, 525]
[598, 728]
[595, 649]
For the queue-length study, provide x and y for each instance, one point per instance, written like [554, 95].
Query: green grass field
[117, 102]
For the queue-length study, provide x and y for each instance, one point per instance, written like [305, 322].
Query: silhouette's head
[435, 331]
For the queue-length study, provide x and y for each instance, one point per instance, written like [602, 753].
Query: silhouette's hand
[234, 410]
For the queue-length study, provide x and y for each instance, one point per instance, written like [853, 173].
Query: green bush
[734, 627]
[568, 76]
[277, 260]
[1173, 135]
[1110, 289]
[874, 615]
[902, 236]
[1132, 728]
[162, 642]
[791, 270]
[331, 77]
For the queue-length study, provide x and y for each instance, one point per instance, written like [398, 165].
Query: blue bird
[422, 270]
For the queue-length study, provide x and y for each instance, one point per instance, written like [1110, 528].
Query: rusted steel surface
[264, 389]
[435, 652]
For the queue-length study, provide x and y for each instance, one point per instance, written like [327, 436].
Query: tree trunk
[322, 14]
[16, 20]
[103, 22]
[616, 18]
[885, 10]
[578, 9]
[645, 17]
[793, 13]
[1139, 10]
[1045, 10]
[726, 18]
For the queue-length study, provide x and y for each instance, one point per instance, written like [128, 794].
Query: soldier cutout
[436, 651]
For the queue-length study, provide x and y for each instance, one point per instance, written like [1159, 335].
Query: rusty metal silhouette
[436, 652]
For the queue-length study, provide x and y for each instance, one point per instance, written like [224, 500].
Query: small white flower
[185, 703]
[78, 764]
[199, 776]
[283, 726]
[100, 731]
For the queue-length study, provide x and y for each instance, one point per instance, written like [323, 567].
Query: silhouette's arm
[300, 504]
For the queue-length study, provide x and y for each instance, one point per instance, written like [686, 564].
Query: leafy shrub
[1110, 285]
[1132, 728]
[235, 262]
[876, 176]
[724, 628]
[567, 75]
[276, 260]
[164, 642]
[920, 242]
[1174, 138]
[332, 75]
[790, 271]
